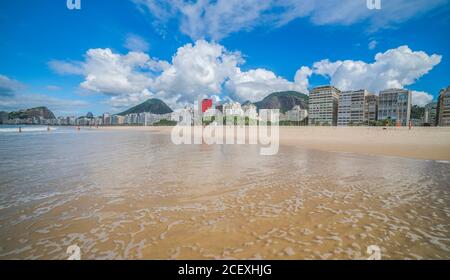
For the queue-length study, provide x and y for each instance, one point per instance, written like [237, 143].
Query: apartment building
[371, 114]
[352, 108]
[444, 107]
[323, 105]
[395, 105]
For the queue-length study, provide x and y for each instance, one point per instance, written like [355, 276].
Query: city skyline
[117, 61]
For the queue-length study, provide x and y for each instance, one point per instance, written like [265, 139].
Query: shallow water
[133, 195]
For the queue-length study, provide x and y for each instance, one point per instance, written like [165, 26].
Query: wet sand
[420, 143]
[129, 193]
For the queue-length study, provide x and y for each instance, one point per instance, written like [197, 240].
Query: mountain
[39, 112]
[154, 106]
[285, 101]
[246, 103]
[3, 116]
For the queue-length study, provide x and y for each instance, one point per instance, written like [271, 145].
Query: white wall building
[323, 105]
[297, 114]
[395, 104]
[352, 108]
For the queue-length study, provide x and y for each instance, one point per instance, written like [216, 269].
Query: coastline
[425, 143]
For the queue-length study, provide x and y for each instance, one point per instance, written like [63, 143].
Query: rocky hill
[154, 106]
[39, 112]
[284, 101]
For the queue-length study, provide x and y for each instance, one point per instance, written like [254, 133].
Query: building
[443, 107]
[430, 114]
[233, 109]
[352, 108]
[206, 104]
[106, 119]
[297, 114]
[371, 114]
[395, 105]
[183, 116]
[250, 111]
[323, 105]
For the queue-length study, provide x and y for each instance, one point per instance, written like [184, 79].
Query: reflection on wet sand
[133, 195]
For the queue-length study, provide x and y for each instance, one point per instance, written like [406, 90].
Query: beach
[130, 193]
[432, 143]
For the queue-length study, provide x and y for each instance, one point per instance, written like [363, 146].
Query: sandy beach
[429, 143]
[130, 193]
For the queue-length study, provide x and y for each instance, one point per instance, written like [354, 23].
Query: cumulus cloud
[395, 68]
[136, 43]
[421, 98]
[199, 69]
[216, 19]
[116, 74]
[254, 85]
[9, 87]
[209, 69]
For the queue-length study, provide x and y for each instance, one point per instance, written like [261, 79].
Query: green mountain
[284, 101]
[154, 106]
[42, 112]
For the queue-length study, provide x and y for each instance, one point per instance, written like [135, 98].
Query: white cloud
[207, 68]
[136, 43]
[216, 19]
[116, 74]
[9, 87]
[67, 67]
[57, 105]
[13, 97]
[123, 101]
[421, 98]
[396, 68]
[254, 85]
[199, 69]
[373, 44]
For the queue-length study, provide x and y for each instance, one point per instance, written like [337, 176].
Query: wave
[25, 129]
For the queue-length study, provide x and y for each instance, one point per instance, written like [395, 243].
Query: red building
[206, 104]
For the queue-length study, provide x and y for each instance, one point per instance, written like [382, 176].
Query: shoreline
[424, 143]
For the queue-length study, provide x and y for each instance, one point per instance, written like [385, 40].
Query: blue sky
[114, 54]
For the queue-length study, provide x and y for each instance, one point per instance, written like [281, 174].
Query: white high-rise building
[323, 105]
[395, 104]
[352, 108]
[444, 107]
[371, 108]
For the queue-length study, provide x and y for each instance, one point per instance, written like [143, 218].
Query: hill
[284, 101]
[154, 106]
[39, 112]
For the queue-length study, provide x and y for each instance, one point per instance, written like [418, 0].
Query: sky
[111, 55]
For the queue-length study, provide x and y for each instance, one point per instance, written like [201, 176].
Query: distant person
[20, 129]
[410, 125]
[48, 128]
